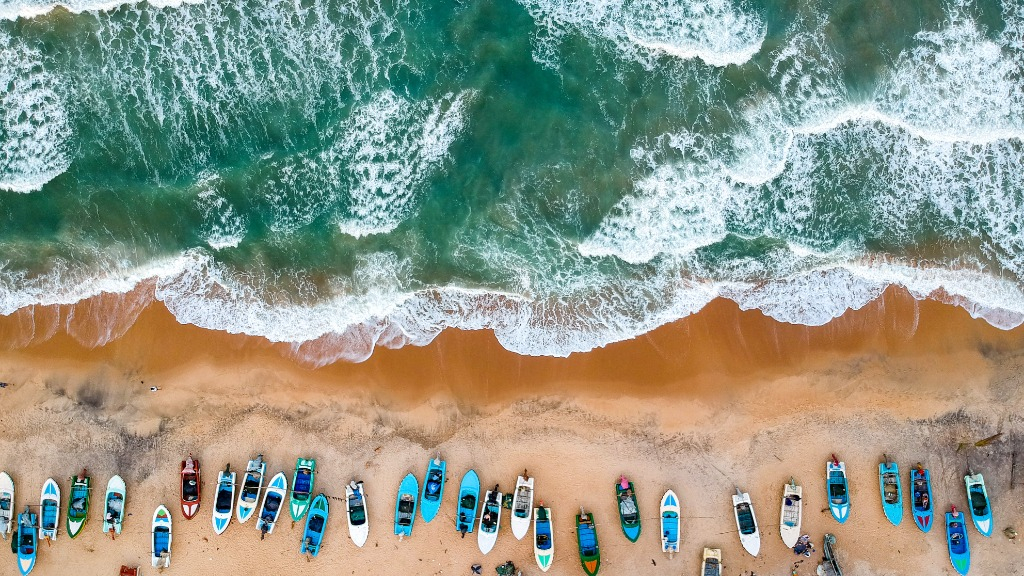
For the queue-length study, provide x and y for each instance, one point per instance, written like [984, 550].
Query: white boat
[746, 522]
[161, 538]
[6, 504]
[490, 521]
[224, 502]
[252, 484]
[113, 506]
[355, 513]
[543, 537]
[792, 513]
[273, 499]
[711, 565]
[49, 510]
[522, 506]
[670, 523]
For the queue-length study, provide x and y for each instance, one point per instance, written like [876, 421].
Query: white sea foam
[225, 225]
[14, 9]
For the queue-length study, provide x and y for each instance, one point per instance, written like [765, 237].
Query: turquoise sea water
[567, 173]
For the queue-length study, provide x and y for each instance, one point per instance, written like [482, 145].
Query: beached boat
[26, 542]
[891, 491]
[113, 502]
[830, 560]
[543, 537]
[302, 488]
[78, 503]
[490, 520]
[7, 519]
[355, 513]
[405, 505]
[711, 565]
[190, 487]
[469, 497]
[586, 539]
[746, 522]
[838, 489]
[629, 510]
[981, 507]
[316, 524]
[670, 523]
[792, 513]
[522, 506]
[224, 502]
[273, 499]
[49, 510]
[161, 539]
[956, 541]
[249, 495]
[921, 486]
[433, 489]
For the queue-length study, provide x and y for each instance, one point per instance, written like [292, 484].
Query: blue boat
[921, 486]
[316, 523]
[433, 489]
[891, 490]
[981, 508]
[26, 541]
[670, 523]
[469, 497]
[629, 509]
[405, 505]
[956, 541]
[838, 490]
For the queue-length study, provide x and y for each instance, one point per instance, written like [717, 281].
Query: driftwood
[989, 440]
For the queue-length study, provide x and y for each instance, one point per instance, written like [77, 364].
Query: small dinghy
[838, 490]
[490, 520]
[586, 538]
[249, 495]
[670, 523]
[433, 489]
[522, 506]
[892, 492]
[316, 524]
[224, 503]
[543, 537]
[25, 540]
[405, 506]
[6, 504]
[981, 507]
[921, 486]
[746, 522]
[792, 513]
[829, 559]
[78, 503]
[113, 502]
[629, 510]
[49, 507]
[273, 499]
[161, 537]
[355, 511]
[711, 565]
[189, 487]
[302, 488]
[469, 497]
[956, 542]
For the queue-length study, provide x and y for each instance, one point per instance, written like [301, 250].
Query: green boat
[78, 503]
[629, 511]
[302, 487]
[586, 537]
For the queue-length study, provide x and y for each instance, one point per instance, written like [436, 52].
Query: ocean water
[345, 174]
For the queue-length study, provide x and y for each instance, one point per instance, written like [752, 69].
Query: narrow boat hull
[746, 523]
[7, 516]
[629, 509]
[838, 491]
[670, 511]
[957, 542]
[433, 489]
[405, 506]
[543, 538]
[791, 516]
[921, 503]
[490, 521]
[469, 501]
[979, 504]
[356, 513]
[223, 504]
[114, 502]
[273, 501]
[891, 491]
[78, 505]
[49, 510]
[161, 538]
[586, 540]
[252, 485]
[711, 563]
[301, 494]
[190, 492]
[522, 507]
[316, 526]
[26, 541]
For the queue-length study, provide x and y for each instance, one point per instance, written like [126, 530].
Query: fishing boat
[830, 560]
[189, 487]
[543, 537]
[433, 489]
[469, 497]
[981, 507]
[670, 523]
[956, 542]
[629, 511]
[792, 513]
[921, 486]
[249, 495]
[113, 500]
[746, 522]
[273, 498]
[302, 488]
[522, 506]
[224, 502]
[355, 512]
[490, 520]
[405, 506]
[586, 538]
[892, 492]
[316, 524]
[161, 537]
[49, 510]
[838, 490]
[7, 519]
[78, 503]
[25, 539]
[711, 565]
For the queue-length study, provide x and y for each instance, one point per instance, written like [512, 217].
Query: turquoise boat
[433, 489]
[956, 542]
[26, 541]
[629, 510]
[316, 524]
[405, 506]
[838, 490]
[981, 507]
[921, 486]
[891, 490]
[302, 488]
[469, 497]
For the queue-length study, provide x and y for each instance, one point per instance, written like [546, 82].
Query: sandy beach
[722, 399]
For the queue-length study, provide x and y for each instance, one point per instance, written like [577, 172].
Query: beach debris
[989, 440]
[154, 388]
[476, 568]
[1010, 533]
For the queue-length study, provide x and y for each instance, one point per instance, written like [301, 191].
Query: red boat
[189, 487]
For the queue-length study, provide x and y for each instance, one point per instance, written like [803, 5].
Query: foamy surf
[14, 9]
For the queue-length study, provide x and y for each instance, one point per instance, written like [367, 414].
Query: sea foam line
[16, 10]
